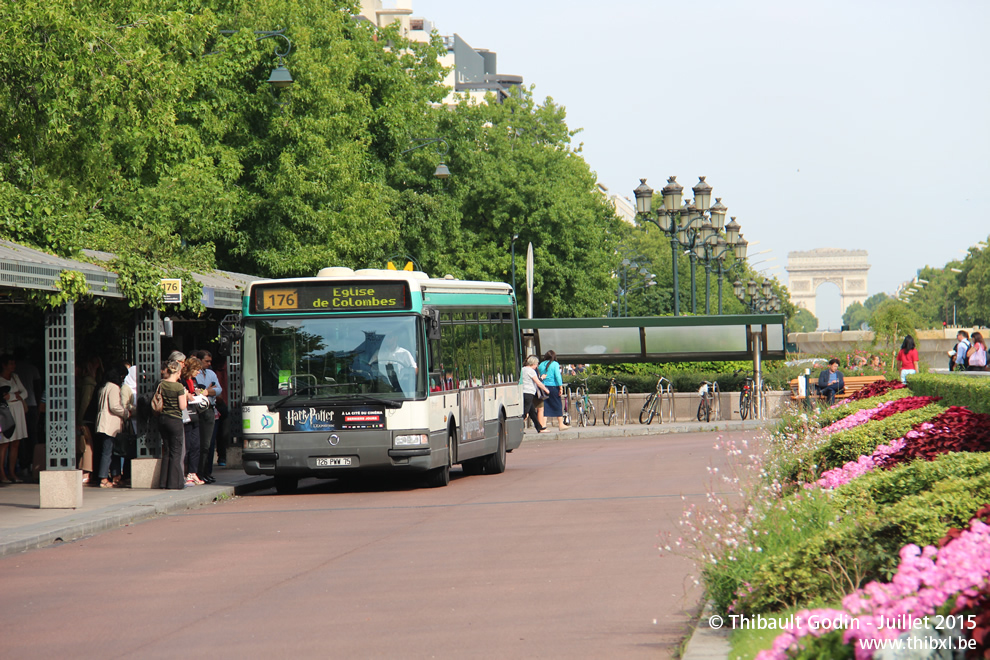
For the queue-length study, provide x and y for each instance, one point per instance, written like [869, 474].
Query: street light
[280, 77]
[515, 237]
[694, 226]
[441, 172]
[767, 303]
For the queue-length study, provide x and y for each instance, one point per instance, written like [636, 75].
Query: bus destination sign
[279, 297]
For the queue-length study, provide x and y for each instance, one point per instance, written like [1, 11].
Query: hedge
[973, 392]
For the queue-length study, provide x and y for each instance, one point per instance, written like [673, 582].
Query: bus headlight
[418, 440]
[258, 443]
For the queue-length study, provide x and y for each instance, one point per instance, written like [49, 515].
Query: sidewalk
[24, 526]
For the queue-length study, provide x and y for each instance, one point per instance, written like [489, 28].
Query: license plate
[329, 462]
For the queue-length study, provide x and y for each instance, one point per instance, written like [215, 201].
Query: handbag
[7, 424]
[158, 401]
[541, 395]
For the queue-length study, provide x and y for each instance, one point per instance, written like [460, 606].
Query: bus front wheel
[440, 477]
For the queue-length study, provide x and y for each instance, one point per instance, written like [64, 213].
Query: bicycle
[612, 401]
[654, 403]
[583, 405]
[747, 400]
[708, 407]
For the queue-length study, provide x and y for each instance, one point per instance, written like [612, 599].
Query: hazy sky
[850, 124]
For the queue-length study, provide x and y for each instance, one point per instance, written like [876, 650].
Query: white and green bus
[379, 370]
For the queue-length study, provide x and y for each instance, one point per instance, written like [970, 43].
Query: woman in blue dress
[549, 371]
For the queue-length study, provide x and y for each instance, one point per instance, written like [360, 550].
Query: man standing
[958, 354]
[831, 382]
[207, 383]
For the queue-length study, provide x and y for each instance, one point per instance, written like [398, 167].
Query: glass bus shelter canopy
[658, 339]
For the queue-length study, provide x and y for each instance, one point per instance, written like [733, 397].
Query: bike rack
[622, 402]
[667, 398]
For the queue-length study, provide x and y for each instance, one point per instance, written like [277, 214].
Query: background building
[473, 71]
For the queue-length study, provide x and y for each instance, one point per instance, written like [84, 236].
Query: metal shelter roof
[22, 267]
[658, 339]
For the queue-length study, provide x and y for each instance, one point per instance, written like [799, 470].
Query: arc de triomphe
[806, 271]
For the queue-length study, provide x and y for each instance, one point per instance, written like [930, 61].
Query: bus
[358, 371]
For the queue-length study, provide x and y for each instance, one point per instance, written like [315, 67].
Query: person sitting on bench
[831, 382]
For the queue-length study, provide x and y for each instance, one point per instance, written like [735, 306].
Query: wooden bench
[853, 384]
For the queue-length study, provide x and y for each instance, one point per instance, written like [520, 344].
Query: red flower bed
[903, 405]
[876, 389]
[957, 429]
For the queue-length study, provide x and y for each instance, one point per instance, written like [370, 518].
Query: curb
[707, 643]
[633, 430]
[45, 534]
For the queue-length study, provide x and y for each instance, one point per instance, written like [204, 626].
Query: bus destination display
[329, 297]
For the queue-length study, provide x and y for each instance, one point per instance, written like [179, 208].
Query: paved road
[555, 558]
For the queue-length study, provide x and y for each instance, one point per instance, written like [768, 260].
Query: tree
[518, 173]
[802, 321]
[856, 316]
[891, 322]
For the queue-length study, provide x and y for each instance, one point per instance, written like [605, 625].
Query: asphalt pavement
[24, 526]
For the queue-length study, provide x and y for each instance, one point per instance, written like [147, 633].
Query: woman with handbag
[550, 373]
[172, 396]
[190, 419]
[15, 397]
[533, 388]
[111, 414]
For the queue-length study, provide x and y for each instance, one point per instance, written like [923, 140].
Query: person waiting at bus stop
[549, 371]
[831, 382]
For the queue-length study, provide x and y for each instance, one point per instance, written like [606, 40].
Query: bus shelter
[658, 339]
[755, 337]
[23, 269]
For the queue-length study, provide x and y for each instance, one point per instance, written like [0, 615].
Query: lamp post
[694, 226]
[280, 77]
[515, 237]
[767, 303]
[441, 172]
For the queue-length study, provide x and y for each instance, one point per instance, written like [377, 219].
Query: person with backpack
[957, 356]
[977, 354]
[549, 371]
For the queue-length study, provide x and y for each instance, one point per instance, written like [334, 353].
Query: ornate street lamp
[693, 225]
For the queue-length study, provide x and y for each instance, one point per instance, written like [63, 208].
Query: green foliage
[891, 322]
[861, 440]
[136, 127]
[803, 321]
[829, 416]
[971, 392]
[856, 316]
[685, 376]
[70, 287]
[835, 547]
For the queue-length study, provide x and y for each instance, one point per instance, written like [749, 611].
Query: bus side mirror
[432, 318]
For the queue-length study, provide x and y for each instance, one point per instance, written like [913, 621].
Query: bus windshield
[339, 357]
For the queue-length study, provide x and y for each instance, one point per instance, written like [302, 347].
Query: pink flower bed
[925, 580]
[882, 455]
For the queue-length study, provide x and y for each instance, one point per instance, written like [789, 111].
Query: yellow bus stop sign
[391, 266]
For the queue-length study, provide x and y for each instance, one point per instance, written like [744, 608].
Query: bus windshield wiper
[308, 388]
